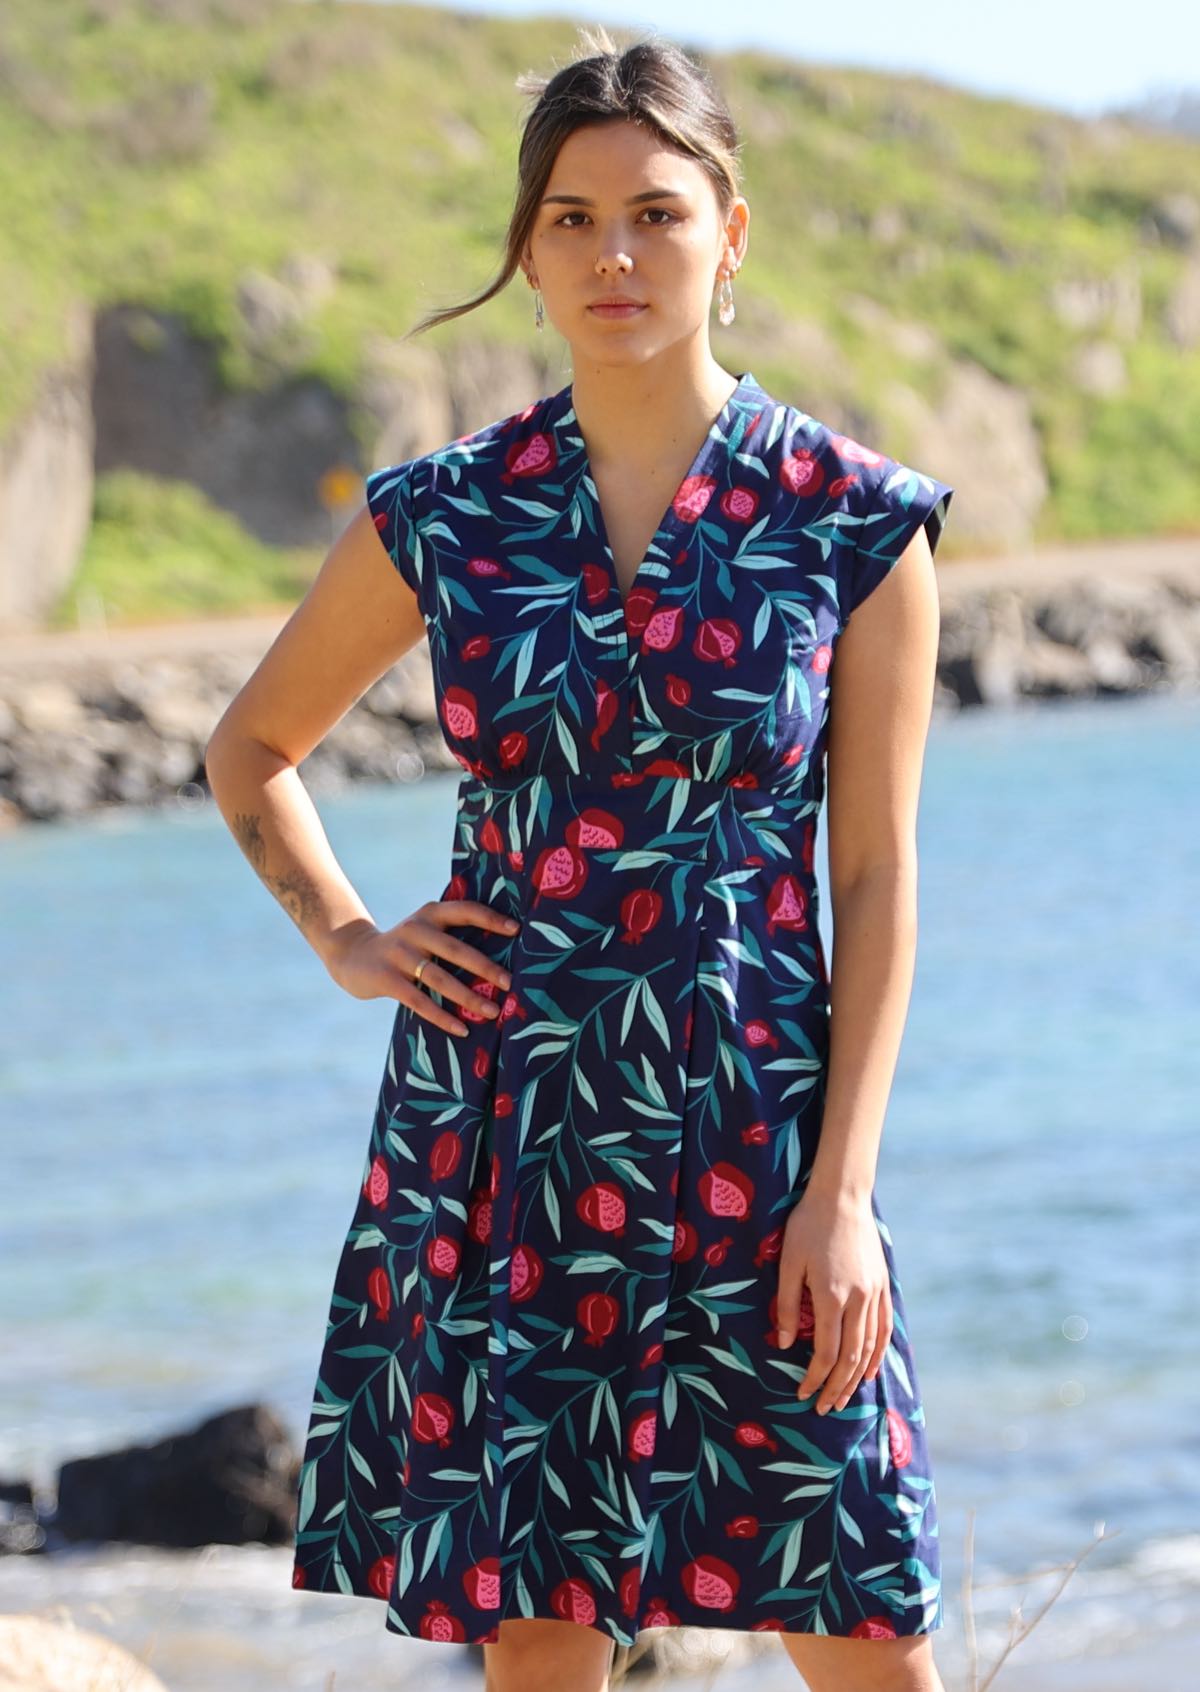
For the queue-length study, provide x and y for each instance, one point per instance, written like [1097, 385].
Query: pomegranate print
[551, 1382]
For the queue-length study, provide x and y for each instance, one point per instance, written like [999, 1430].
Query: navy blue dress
[551, 1383]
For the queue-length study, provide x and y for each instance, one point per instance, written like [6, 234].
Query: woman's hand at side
[374, 963]
[832, 1245]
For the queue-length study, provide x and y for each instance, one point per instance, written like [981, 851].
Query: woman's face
[625, 214]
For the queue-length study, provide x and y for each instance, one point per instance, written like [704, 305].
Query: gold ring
[419, 968]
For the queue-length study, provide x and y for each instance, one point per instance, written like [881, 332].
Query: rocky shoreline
[91, 720]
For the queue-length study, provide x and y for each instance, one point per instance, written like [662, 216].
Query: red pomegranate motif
[769, 1247]
[502, 1105]
[847, 447]
[299, 1578]
[725, 1190]
[380, 1576]
[460, 712]
[445, 1156]
[899, 1439]
[559, 873]
[659, 1614]
[664, 630]
[526, 1270]
[595, 828]
[716, 641]
[673, 1183]
[787, 904]
[872, 1627]
[746, 778]
[642, 1431]
[439, 1624]
[513, 747]
[534, 455]
[375, 1187]
[686, 1240]
[432, 1418]
[490, 837]
[596, 583]
[738, 504]
[742, 1527]
[477, 647]
[759, 1034]
[679, 689]
[379, 1291]
[607, 706]
[628, 1588]
[479, 1218]
[442, 1255]
[715, 1254]
[756, 1135]
[710, 1582]
[495, 1184]
[456, 887]
[692, 497]
[602, 1206]
[801, 473]
[652, 1354]
[821, 659]
[485, 567]
[597, 1314]
[641, 909]
[806, 847]
[481, 1583]
[754, 1436]
[485, 990]
[669, 767]
[481, 1062]
[639, 608]
[839, 485]
[574, 1600]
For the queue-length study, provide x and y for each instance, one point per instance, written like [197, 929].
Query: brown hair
[653, 82]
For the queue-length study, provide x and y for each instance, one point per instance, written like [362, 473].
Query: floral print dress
[551, 1383]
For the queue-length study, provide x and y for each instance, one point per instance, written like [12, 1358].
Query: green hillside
[155, 152]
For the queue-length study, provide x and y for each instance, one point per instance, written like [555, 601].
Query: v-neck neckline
[670, 519]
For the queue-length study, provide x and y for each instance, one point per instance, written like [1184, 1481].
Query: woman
[616, 1340]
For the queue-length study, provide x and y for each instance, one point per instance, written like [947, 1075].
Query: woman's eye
[650, 210]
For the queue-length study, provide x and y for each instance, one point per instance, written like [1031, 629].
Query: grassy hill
[156, 150]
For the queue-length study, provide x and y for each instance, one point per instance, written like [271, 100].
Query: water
[187, 1098]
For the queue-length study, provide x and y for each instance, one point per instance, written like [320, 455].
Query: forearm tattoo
[296, 891]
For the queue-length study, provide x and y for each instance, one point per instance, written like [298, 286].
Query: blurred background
[975, 242]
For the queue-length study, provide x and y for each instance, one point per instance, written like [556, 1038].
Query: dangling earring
[725, 311]
[539, 315]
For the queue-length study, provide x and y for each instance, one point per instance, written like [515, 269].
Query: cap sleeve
[391, 500]
[898, 501]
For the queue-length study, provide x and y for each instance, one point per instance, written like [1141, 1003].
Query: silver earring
[725, 311]
[539, 315]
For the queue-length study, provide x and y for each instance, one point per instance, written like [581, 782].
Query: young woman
[617, 1339]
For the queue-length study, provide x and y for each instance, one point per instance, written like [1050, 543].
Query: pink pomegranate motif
[460, 712]
[559, 873]
[769, 1247]
[513, 747]
[526, 1271]
[432, 1418]
[596, 583]
[639, 608]
[692, 497]
[801, 473]
[659, 1614]
[574, 1600]
[759, 1034]
[533, 456]
[642, 1431]
[742, 1527]
[686, 1240]
[628, 1588]
[839, 485]
[607, 706]
[481, 1583]
[596, 828]
[710, 1582]
[821, 659]
[379, 1291]
[756, 1135]
[679, 689]
[664, 630]
[488, 567]
[439, 1624]
[485, 990]
[899, 1439]
[754, 1436]
[846, 447]
[380, 1576]
[445, 1156]
[716, 641]
[375, 1187]
[641, 910]
[442, 1255]
[738, 504]
[725, 1190]
[479, 1218]
[477, 647]
[787, 904]
[490, 837]
[872, 1627]
[715, 1254]
[597, 1313]
[602, 1206]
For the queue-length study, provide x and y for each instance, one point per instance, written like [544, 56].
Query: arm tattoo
[296, 892]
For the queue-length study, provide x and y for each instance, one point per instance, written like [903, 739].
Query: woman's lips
[605, 309]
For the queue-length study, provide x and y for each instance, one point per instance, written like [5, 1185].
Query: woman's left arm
[882, 685]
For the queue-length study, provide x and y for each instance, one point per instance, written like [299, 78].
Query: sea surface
[187, 1097]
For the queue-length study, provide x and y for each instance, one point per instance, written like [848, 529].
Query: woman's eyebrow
[633, 200]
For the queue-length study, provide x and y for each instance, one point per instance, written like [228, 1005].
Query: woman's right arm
[356, 620]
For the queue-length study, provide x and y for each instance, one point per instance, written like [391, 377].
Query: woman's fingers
[422, 939]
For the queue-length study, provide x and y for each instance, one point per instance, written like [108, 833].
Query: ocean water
[186, 1099]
